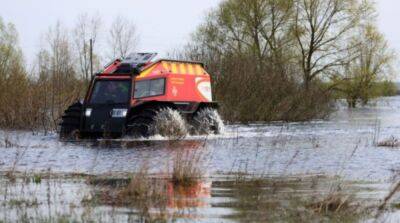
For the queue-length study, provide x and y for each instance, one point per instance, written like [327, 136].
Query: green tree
[372, 63]
[13, 79]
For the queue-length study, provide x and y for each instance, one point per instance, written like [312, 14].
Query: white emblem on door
[174, 91]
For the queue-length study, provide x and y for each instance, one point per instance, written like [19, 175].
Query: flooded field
[325, 170]
[107, 199]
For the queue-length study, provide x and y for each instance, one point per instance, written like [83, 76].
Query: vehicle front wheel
[140, 124]
[163, 121]
[71, 120]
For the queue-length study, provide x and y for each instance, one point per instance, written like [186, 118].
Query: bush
[248, 93]
[187, 168]
[36, 100]
[386, 88]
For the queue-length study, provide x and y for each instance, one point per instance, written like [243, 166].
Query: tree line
[289, 59]
[270, 60]
[35, 97]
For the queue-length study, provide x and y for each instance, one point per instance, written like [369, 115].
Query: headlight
[88, 112]
[119, 113]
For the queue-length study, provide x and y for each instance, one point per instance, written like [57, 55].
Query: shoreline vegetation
[270, 61]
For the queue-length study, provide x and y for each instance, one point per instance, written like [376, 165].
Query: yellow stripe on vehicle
[166, 66]
[147, 71]
[174, 68]
[190, 69]
[182, 68]
[198, 69]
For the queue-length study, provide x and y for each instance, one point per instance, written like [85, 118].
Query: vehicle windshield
[111, 92]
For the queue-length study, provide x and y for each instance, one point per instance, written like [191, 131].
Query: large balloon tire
[71, 120]
[206, 121]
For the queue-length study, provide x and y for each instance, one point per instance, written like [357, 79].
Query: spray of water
[208, 121]
[169, 123]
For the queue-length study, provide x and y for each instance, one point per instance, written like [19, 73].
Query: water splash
[208, 121]
[169, 123]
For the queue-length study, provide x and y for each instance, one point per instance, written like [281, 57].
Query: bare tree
[64, 83]
[248, 46]
[259, 27]
[123, 37]
[322, 29]
[86, 28]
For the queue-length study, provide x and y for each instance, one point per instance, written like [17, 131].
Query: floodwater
[72, 200]
[344, 146]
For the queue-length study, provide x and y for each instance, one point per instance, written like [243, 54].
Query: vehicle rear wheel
[160, 120]
[70, 123]
[206, 121]
[170, 123]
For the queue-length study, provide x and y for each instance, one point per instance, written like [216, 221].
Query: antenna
[91, 57]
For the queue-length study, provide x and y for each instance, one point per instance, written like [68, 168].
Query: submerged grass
[386, 201]
[9, 140]
[138, 188]
[277, 200]
[187, 168]
[154, 199]
[390, 142]
[140, 191]
[334, 203]
[23, 203]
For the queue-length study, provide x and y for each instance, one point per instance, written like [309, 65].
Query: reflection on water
[222, 200]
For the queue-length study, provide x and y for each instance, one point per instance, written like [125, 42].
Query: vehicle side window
[149, 88]
[142, 89]
[157, 87]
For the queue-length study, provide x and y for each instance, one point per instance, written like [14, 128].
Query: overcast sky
[162, 25]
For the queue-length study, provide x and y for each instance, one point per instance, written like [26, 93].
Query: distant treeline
[36, 97]
[269, 59]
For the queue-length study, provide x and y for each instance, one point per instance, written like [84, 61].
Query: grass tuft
[391, 142]
[333, 203]
[140, 190]
[37, 179]
[187, 168]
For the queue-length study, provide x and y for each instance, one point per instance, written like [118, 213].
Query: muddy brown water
[344, 147]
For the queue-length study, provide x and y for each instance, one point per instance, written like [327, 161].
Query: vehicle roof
[163, 67]
[167, 67]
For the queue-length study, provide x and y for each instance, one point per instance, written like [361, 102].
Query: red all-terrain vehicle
[127, 95]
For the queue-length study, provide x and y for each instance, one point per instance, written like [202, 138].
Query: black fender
[188, 108]
[212, 104]
[149, 104]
